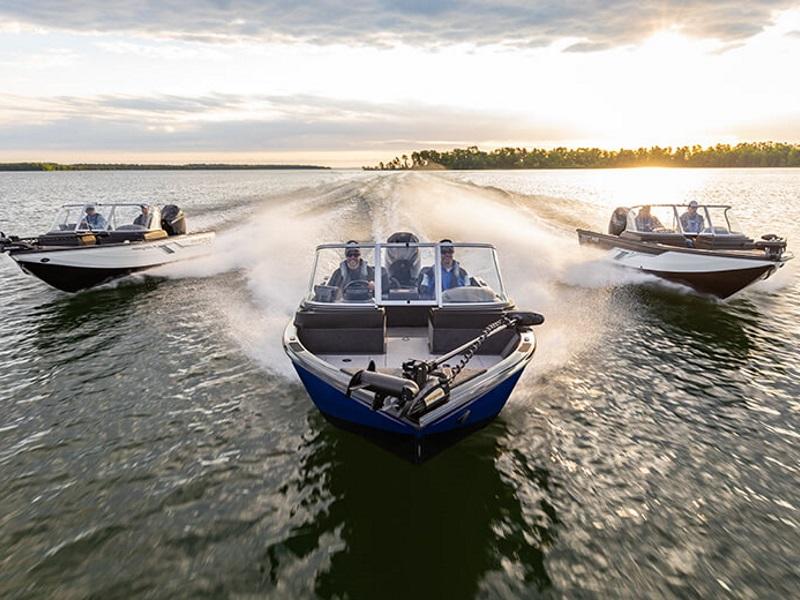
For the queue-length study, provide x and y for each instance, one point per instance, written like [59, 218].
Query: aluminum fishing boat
[92, 243]
[409, 349]
[694, 245]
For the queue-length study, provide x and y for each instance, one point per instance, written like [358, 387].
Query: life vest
[461, 277]
[457, 272]
[363, 271]
[692, 224]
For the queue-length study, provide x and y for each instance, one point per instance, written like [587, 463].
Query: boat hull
[75, 269]
[338, 407]
[719, 274]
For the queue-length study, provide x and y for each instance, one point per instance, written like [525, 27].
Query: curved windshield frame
[479, 281]
[716, 219]
[118, 216]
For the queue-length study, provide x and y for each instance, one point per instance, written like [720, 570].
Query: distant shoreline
[50, 166]
[743, 155]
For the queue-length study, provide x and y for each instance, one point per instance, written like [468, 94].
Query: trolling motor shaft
[425, 385]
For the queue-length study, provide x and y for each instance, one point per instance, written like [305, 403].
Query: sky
[353, 83]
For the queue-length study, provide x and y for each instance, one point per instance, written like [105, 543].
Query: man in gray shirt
[691, 220]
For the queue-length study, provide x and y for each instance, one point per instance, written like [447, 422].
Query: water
[154, 440]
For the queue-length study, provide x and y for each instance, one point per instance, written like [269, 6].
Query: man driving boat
[93, 220]
[354, 268]
[647, 222]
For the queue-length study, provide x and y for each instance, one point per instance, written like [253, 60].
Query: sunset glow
[229, 88]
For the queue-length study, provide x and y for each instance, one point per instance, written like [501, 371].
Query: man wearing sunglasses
[353, 268]
[453, 275]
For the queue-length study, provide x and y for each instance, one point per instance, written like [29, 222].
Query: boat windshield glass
[107, 217]
[68, 218]
[94, 218]
[470, 275]
[344, 273]
[719, 221]
[653, 219]
[406, 266]
[409, 274]
[134, 217]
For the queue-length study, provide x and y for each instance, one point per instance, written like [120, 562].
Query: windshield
[107, 217]
[719, 221]
[653, 219]
[408, 274]
[68, 218]
[127, 217]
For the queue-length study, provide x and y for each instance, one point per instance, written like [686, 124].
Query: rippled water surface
[154, 440]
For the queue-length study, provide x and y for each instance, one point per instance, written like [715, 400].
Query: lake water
[155, 441]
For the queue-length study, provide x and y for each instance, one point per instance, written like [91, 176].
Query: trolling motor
[12, 242]
[425, 385]
[772, 245]
[382, 385]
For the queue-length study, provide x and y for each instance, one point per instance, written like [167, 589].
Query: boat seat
[450, 328]
[126, 235]
[56, 238]
[667, 238]
[722, 242]
[342, 331]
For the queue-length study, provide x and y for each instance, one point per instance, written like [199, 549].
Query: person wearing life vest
[93, 220]
[354, 268]
[645, 222]
[452, 274]
[691, 220]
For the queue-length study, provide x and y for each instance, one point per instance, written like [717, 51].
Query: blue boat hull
[335, 405]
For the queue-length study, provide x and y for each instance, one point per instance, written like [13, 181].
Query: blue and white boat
[409, 349]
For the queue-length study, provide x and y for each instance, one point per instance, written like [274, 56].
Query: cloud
[598, 23]
[231, 123]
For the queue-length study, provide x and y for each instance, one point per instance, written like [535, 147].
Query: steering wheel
[356, 290]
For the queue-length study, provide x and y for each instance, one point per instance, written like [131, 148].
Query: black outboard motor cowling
[173, 221]
[403, 264]
[619, 221]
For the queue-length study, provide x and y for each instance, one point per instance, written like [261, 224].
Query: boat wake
[543, 266]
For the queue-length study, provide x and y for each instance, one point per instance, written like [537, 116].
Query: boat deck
[402, 343]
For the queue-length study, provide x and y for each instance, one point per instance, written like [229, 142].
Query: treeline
[50, 166]
[757, 154]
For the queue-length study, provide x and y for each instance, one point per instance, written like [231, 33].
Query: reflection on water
[154, 440]
[453, 527]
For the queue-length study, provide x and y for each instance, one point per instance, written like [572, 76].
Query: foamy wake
[543, 267]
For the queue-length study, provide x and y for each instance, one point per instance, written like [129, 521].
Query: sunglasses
[448, 251]
[352, 254]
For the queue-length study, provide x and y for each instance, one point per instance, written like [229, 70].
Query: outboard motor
[173, 221]
[403, 264]
[619, 221]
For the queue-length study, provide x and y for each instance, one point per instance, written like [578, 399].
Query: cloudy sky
[352, 83]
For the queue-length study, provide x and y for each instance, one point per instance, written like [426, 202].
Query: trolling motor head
[524, 319]
[382, 386]
[772, 245]
[11, 242]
